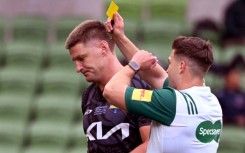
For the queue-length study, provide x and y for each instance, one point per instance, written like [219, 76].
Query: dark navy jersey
[109, 129]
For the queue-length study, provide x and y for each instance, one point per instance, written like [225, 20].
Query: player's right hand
[117, 30]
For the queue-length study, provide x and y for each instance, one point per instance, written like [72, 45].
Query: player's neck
[108, 73]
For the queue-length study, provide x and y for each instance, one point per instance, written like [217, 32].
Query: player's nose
[79, 67]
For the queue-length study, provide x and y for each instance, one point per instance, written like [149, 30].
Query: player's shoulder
[137, 82]
[92, 87]
[87, 93]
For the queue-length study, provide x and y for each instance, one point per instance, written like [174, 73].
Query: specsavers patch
[142, 95]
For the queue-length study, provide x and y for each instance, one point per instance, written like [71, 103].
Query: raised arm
[114, 91]
[155, 76]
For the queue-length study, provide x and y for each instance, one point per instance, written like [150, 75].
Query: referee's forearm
[115, 89]
[141, 148]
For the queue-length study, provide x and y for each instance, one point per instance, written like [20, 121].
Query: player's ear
[104, 46]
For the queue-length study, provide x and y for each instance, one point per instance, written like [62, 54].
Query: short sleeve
[158, 105]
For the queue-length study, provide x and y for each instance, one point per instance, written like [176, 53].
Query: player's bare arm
[144, 133]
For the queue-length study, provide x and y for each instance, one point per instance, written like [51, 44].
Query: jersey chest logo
[124, 127]
[207, 131]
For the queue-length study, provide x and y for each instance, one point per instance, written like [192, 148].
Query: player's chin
[89, 79]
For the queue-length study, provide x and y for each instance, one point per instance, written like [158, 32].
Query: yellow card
[113, 8]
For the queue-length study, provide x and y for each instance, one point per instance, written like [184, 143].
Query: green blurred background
[40, 92]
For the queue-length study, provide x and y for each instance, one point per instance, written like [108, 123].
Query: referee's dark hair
[196, 50]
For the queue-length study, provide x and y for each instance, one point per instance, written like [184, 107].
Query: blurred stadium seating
[65, 25]
[12, 135]
[30, 28]
[58, 57]
[40, 92]
[232, 140]
[24, 55]
[18, 81]
[2, 48]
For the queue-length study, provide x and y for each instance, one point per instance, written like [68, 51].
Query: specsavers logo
[207, 131]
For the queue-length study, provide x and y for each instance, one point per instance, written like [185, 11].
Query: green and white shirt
[186, 121]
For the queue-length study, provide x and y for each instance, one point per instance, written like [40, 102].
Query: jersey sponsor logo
[124, 127]
[113, 108]
[207, 131]
[142, 95]
[191, 105]
[100, 110]
[88, 111]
